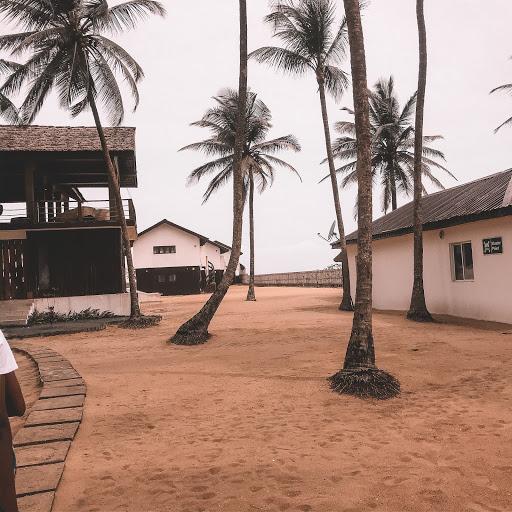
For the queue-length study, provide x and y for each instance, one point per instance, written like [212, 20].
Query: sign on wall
[493, 245]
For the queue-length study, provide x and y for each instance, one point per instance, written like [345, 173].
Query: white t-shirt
[7, 361]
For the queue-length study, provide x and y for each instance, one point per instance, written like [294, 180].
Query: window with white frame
[462, 261]
[164, 249]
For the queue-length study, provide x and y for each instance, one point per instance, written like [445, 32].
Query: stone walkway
[43, 443]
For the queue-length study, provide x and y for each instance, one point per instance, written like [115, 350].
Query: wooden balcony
[63, 214]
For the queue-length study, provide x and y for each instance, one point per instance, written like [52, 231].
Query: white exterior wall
[117, 303]
[487, 297]
[188, 250]
[212, 253]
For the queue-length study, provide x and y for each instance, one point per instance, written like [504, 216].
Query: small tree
[195, 330]
[71, 54]
[313, 43]
[259, 162]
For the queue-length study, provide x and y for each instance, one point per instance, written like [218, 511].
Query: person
[12, 403]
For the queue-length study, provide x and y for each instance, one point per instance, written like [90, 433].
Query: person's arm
[7, 485]
[14, 396]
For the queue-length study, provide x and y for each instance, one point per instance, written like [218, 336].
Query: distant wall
[311, 278]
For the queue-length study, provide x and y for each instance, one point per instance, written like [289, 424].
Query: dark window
[172, 278]
[462, 262]
[164, 249]
[161, 278]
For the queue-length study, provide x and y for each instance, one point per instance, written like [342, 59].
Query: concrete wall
[212, 253]
[312, 278]
[487, 297]
[188, 250]
[118, 303]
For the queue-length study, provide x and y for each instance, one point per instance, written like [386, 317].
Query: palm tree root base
[141, 322]
[365, 383]
[189, 338]
[346, 307]
[419, 316]
[250, 299]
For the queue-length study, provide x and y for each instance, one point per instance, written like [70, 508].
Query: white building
[467, 252]
[172, 260]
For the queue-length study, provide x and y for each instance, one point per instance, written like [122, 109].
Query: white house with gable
[467, 252]
[173, 260]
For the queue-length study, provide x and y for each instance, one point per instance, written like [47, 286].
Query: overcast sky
[193, 53]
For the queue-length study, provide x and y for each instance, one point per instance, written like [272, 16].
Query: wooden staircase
[14, 312]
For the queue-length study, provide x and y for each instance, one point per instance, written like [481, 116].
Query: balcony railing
[67, 212]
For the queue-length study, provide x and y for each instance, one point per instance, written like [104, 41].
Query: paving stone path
[43, 443]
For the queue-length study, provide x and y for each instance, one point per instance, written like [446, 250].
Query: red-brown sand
[247, 422]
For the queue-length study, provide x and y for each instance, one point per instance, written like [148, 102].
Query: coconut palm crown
[503, 88]
[7, 109]
[70, 52]
[392, 130]
[258, 153]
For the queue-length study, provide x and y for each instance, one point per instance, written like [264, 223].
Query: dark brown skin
[12, 403]
[195, 330]
[360, 351]
[114, 186]
[346, 301]
[250, 292]
[418, 309]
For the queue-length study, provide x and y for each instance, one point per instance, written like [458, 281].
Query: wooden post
[30, 197]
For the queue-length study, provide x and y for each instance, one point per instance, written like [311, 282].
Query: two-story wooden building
[54, 243]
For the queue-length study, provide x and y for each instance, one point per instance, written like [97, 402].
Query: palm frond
[282, 59]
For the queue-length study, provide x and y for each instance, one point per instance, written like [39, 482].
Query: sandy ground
[28, 378]
[248, 423]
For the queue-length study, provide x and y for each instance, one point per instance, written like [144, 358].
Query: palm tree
[418, 308]
[195, 330]
[313, 42]
[7, 109]
[359, 375]
[505, 88]
[258, 160]
[71, 54]
[392, 135]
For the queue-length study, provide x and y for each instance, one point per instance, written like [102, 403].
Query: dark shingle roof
[64, 138]
[486, 197]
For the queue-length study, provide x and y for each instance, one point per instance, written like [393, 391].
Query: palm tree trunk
[418, 309]
[359, 376]
[250, 292]
[346, 301]
[115, 187]
[394, 204]
[195, 330]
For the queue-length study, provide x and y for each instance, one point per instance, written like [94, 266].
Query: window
[462, 262]
[172, 278]
[161, 278]
[164, 249]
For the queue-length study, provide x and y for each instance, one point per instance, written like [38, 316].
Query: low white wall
[487, 297]
[117, 303]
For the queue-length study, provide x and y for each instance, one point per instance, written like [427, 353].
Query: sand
[248, 423]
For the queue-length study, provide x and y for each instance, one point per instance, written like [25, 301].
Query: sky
[193, 53]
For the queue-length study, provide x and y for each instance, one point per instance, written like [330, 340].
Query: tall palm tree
[71, 54]
[8, 110]
[195, 330]
[258, 160]
[505, 88]
[393, 134]
[313, 42]
[418, 308]
[360, 376]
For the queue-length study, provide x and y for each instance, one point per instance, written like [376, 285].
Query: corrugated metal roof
[482, 198]
[64, 138]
